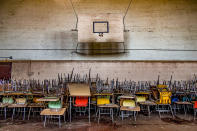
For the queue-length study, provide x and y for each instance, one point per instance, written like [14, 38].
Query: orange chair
[195, 109]
[81, 101]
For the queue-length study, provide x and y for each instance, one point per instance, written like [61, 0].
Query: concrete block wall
[47, 24]
[137, 71]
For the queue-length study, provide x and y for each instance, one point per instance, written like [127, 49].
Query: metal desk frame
[70, 108]
[184, 104]
[4, 108]
[14, 110]
[105, 113]
[148, 105]
[51, 115]
[163, 109]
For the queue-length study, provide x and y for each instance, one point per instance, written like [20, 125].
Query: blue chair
[175, 100]
[185, 99]
[174, 106]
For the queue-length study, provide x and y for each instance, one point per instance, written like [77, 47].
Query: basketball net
[101, 34]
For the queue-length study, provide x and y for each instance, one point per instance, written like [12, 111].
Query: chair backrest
[140, 98]
[21, 100]
[185, 98]
[8, 100]
[175, 99]
[81, 101]
[54, 104]
[195, 105]
[102, 100]
[129, 103]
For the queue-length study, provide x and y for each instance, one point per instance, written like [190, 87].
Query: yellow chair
[102, 101]
[129, 103]
[165, 97]
[21, 100]
[161, 86]
[93, 99]
[164, 94]
[140, 98]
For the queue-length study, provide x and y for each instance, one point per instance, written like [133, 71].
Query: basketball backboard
[100, 28]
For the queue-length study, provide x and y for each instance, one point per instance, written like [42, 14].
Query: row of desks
[20, 93]
[45, 112]
[22, 105]
[137, 108]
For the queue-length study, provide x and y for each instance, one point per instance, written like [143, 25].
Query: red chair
[195, 105]
[195, 109]
[81, 102]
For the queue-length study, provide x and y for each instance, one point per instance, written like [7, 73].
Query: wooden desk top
[124, 108]
[18, 94]
[17, 105]
[143, 93]
[118, 93]
[2, 105]
[103, 94]
[76, 89]
[108, 106]
[127, 97]
[12, 94]
[147, 103]
[183, 103]
[35, 105]
[48, 112]
[48, 99]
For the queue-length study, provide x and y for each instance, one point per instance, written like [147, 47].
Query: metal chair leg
[134, 115]
[112, 114]
[171, 111]
[99, 115]
[24, 113]
[5, 110]
[64, 117]
[59, 121]
[13, 113]
[122, 115]
[29, 113]
[148, 111]
[45, 118]
[159, 114]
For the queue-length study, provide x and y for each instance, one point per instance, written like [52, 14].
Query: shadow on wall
[60, 40]
[100, 48]
[68, 40]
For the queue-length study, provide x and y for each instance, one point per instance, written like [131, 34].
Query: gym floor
[143, 123]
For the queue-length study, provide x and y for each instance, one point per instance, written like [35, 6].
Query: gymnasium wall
[137, 71]
[41, 29]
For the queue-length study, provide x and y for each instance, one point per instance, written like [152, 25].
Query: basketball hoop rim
[101, 34]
